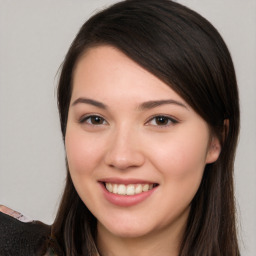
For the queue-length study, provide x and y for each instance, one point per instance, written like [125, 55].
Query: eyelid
[84, 118]
[172, 120]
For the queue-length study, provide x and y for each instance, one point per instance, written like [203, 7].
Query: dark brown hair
[186, 52]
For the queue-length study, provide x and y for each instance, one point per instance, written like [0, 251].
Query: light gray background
[34, 37]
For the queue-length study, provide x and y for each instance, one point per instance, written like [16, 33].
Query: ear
[214, 150]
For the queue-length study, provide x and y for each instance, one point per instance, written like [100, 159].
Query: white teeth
[121, 190]
[129, 190]
[145, 187]
[115, 188]
[109, 187]
[138, 189]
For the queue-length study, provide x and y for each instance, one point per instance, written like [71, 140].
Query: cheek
[181, 163]
[84, 157]
[181, 158]
[82, 153]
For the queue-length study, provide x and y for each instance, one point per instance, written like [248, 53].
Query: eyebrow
[89, 101]
[156, 103]
[145, 105]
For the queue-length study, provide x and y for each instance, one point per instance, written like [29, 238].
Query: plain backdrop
[34, 37]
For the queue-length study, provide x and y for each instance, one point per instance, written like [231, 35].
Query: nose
[124, 150]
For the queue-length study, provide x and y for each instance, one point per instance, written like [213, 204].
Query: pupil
[161, 120]
[96, 120]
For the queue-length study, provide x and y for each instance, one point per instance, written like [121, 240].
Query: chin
[125, 229]
[132, 233]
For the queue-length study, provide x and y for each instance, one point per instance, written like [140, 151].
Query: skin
[14, 214]
[128, 141]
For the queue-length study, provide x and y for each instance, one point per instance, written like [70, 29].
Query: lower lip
[126, 201]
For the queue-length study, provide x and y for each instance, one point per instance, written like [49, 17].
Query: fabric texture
[22, 239]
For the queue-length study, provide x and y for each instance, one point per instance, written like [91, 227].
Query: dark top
[22, 239]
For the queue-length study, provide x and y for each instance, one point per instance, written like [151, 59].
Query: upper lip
[125, 181]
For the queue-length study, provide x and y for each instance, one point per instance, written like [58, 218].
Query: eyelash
[85, 119]
[170, 120]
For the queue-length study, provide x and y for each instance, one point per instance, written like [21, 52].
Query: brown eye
[94, 120]
[162, 121]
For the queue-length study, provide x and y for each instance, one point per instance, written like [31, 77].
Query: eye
[93, 120]
[162, 121]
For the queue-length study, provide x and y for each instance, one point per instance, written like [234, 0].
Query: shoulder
[14, 214]
[21, 238]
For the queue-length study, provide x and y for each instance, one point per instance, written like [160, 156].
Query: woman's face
[136, 150]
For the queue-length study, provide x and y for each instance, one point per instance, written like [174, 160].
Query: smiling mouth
[130, 189]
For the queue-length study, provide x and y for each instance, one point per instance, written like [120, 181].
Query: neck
[160, 243]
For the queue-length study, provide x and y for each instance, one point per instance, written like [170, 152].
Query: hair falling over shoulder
[184, 50]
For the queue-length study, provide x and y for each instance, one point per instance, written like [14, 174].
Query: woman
[149, 114]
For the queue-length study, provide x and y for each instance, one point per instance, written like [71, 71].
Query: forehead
[106, 71]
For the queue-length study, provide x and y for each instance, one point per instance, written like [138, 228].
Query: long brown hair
[186, 52]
